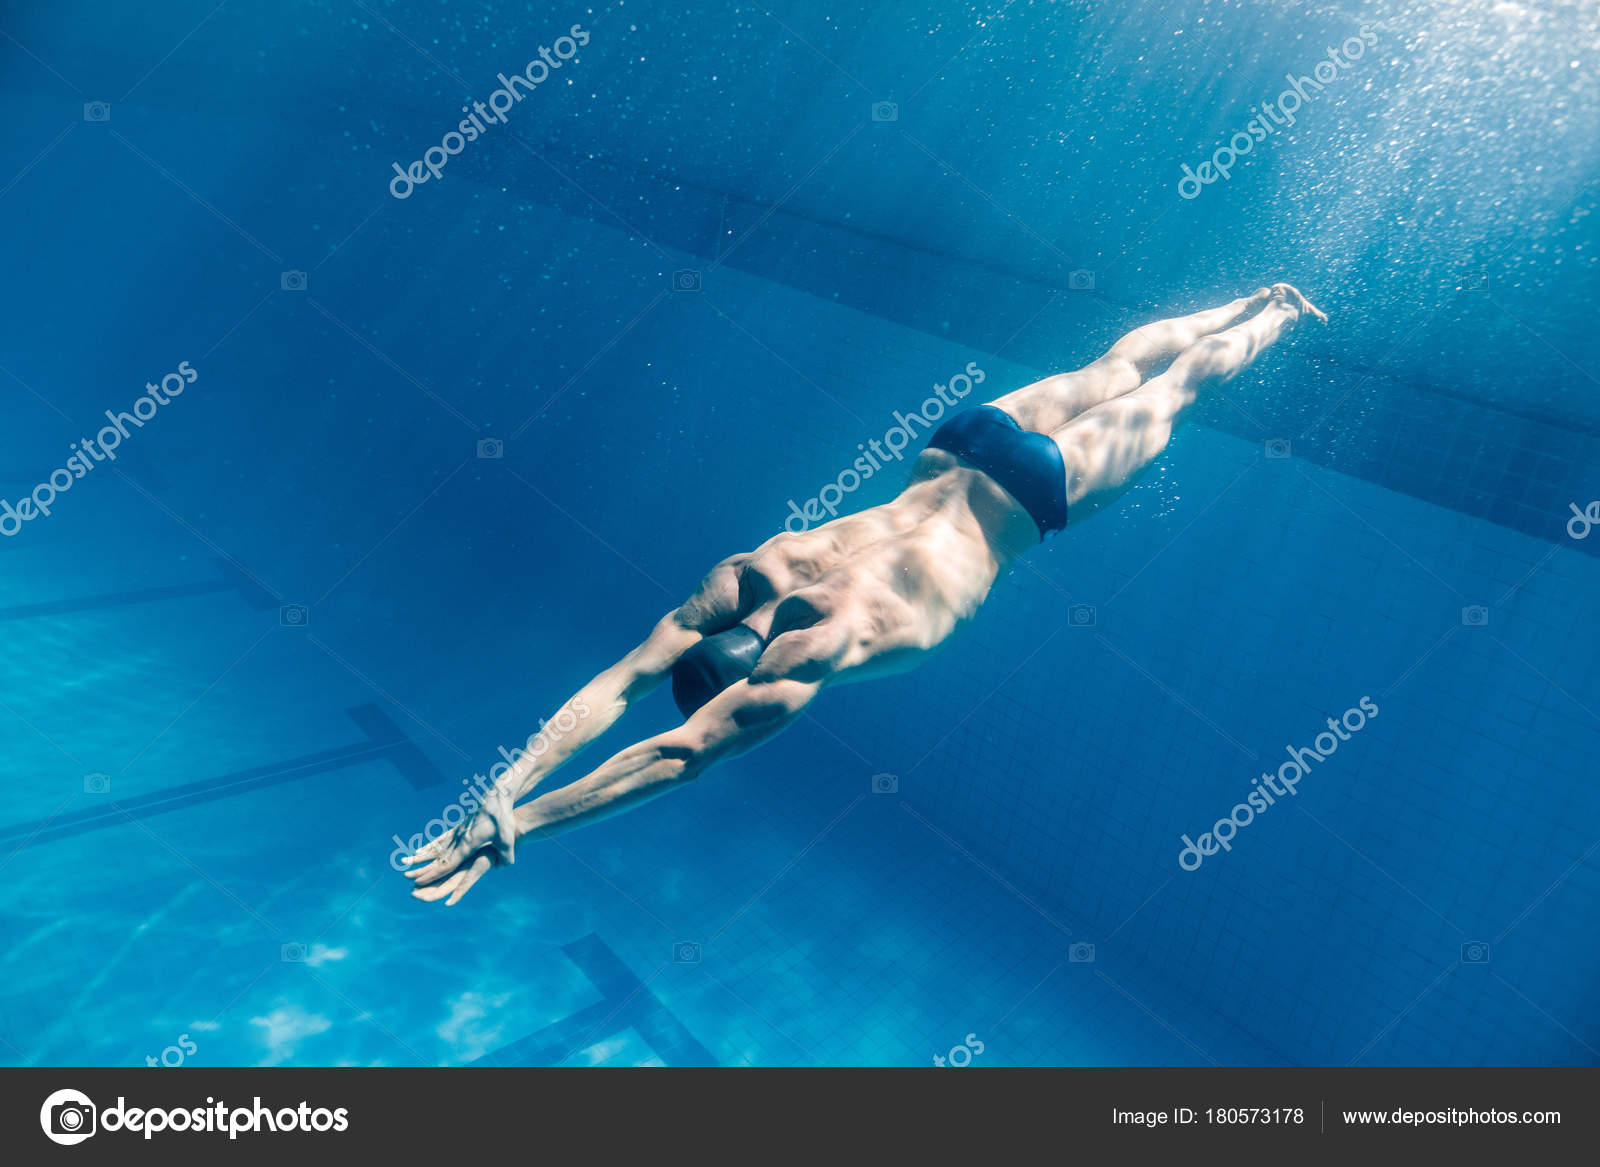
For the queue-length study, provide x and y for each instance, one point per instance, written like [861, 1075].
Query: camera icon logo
[1475, 952]
[686, 280]
[686, 952]
[491, 449]
[886, 784]
[1277, 447]
[1081, 953]
[97, 783]
[1475, 616]
[67, 1117]
[292, 281]
[1082, 615]
[1081, 280]
[292, 953]
[96, 111]
[294, 615]
[885, 111]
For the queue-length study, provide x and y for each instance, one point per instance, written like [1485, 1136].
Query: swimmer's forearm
[586, 715]
[634, 776]
[733, 722]
[598, 705]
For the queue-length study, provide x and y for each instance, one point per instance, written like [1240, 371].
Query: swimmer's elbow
[769, 704]
[643, 669]
[683, 754]
[728, 726]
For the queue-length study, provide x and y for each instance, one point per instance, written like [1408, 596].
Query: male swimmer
[873, 592]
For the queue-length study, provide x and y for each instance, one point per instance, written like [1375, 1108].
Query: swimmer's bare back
[869, 593]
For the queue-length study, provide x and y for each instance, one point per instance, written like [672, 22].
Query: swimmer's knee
[1212, 352]
[1123, 362]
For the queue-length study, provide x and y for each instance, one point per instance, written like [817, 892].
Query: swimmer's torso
[872, 592]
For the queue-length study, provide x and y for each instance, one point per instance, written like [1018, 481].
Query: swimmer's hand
[452, 863]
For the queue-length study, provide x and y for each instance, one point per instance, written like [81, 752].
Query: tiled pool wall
[1057, 754]
[1237, 601]
[1433, 441]
[1278, 595]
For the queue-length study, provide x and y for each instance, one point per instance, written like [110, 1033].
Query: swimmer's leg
[1108, 445]
[1047, 405]
[1149, 347]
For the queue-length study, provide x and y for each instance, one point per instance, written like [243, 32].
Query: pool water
[444, 457]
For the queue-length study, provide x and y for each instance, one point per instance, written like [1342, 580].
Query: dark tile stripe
[385, 741]
[626, 1004]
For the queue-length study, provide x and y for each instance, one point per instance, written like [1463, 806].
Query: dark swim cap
[712, 665]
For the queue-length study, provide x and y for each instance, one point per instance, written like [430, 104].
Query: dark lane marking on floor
[110, 600]
[385, 742]
[233, 580]
[627, 1004]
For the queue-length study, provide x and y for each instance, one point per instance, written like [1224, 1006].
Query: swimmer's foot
[1291, 297]
[1222, 356]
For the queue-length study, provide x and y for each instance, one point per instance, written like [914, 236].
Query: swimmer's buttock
[712, 665]
[1027, 465]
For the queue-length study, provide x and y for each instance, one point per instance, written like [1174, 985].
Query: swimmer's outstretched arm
[596, 707]
[740, 717]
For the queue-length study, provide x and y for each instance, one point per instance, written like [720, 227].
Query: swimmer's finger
[459, 852]
[449, 849]
[427, 862]
[456, 886]
[435, 871]
[426, 851]
[469, 877]
[437, 891]
[444, 856]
